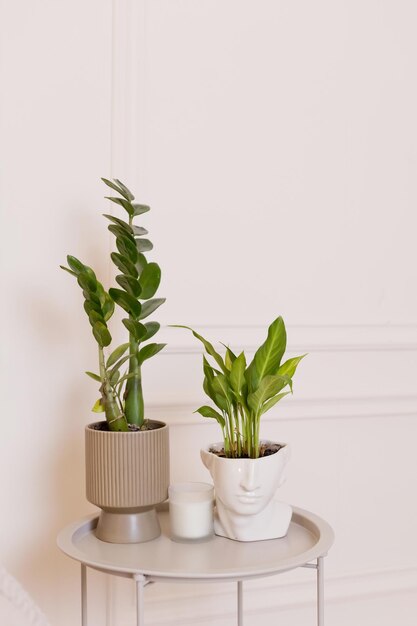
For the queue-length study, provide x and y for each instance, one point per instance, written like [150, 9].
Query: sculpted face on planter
[246, 504]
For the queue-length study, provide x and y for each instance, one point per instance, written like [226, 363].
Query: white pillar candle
[191, 511]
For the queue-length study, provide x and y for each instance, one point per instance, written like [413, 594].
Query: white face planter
[246, 507]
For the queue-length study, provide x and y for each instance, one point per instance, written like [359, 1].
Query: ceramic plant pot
[246, 505]
[127, 474]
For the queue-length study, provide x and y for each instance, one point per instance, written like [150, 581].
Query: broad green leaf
[126, 301]
[89, 306]
[143, 245]
[140, 208]
[119, 222]
[208, 411]
[108, 308]
[288, 368]
[150, 306]
[237, 373]
[207, 345]
[75, 264]
[141, 263]
[94, 317]
[268, 357]
[151, 329]
[221, 387]
[94, 376]
[98, 406]
[268, 405]
[149, 280]
[269, 386]
[119, 231]
[116, 354]
[137, 329]
[229, 358]
[128, 194]
[129, 284]
[124, 264]
[149, 350]
[115, 187]
[86, 282]
[127, 248]
[139, 231]
[102, 335]
[123, 203]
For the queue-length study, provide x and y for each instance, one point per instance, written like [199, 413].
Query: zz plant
[121, 396]
[242, 393]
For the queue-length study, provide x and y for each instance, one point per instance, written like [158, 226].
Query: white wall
[276, 143]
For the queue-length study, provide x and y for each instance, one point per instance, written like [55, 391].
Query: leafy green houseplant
[242, 393]
[127, 455]
[121, 395]
[247, 470]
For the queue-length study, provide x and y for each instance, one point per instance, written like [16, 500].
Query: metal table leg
[83, 595]
[320, 591]
[140, 581]
[239, 603]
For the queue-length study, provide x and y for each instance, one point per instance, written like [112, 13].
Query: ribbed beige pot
[127, 474]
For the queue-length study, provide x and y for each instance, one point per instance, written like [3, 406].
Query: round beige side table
[307, 543]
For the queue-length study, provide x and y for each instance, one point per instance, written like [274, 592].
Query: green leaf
[94, 376]
[229, 358]
[98, 406]
[102, 335]
[143, 245]
[221, 387]
[237, 373]
[129, 284]
[149, 350]
[75, 264]
[128, 194]
[268, 405]
[149, 280]
[208, 411]
[151, 329]
[119, 222]
[123, 203]
[127, 248]
[119, 364]
[126, 301]
[137, 329]
[117, 188]
[207, 345]
[124, 265]
[140, 208]
[114, 377]
[94, 317]
[117, 354]
[126, 377]
[150, 306]
[90, 305]
[138, 231]
[268, 357]
[288, 368]
[68, 270]
[86, 282]
[141, 263]
[119, 231]
[108, 307]
[269, 386]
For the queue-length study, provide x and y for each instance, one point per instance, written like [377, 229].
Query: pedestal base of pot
[128, 527]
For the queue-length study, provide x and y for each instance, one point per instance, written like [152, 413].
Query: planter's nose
[249, 480]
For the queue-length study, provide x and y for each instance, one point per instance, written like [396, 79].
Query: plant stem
[134, 406]
[114, 416]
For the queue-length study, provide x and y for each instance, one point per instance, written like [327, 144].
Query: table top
[308, 538]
